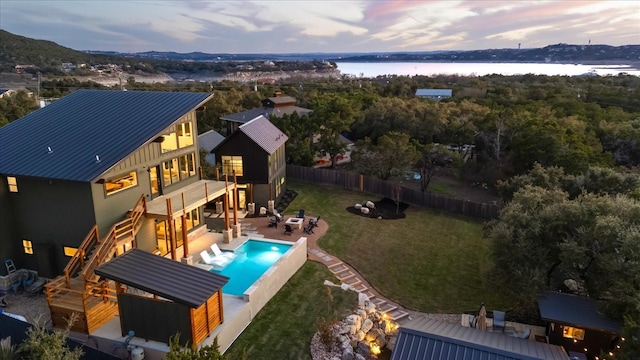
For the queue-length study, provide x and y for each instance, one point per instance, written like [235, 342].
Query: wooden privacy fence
[353, 181]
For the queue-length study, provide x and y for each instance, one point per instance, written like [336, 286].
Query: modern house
[576, 323]
[277, 105]
[434, 94]
[255, 154]
[93, 176]
[423, 338]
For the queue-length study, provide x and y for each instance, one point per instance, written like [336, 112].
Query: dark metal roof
[209, 140]
[575, 310]
[248, 115]
[264, 133]
[282, 100]
[84, 134]
[173, 280]
[428, 339]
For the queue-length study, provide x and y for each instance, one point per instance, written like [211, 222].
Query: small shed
[423, 338]
[165, 297]
[576, 323]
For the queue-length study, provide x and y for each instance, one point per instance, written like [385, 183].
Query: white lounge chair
[217, 252]
[218, 262]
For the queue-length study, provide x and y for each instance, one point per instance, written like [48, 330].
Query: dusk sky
[262, 26]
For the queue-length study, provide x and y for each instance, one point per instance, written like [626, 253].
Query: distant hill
[43, 54]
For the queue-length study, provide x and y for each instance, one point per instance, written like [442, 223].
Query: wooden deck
[78, 290]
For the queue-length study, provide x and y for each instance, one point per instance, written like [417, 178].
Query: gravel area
[34, 308]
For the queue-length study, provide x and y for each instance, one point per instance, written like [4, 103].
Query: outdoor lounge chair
[219, 253]
[300, 214]
[218, 262]
[288, 230]
[498, 320]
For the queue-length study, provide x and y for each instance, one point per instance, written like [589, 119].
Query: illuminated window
[28, 247]
[114, 185]
[169, 142]
[231, 164]
[185, 135]
[166, 172]
[572, 333]
[13, 184]
[70, 251]
[187, 166]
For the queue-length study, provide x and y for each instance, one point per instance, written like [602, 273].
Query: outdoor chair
[219, 253]
[3, 302]
[273, 222]
[498, 320]
[314, 222]
[308, 229]
[288, 229]
[218, 262]
[300, 214]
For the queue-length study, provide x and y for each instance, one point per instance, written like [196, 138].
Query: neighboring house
[576, 323]
[6, 92]
[423, 338]
[274, 106]
[98, 174]
[434, 94]
[324, 160]
[207, 141]
[255, 152]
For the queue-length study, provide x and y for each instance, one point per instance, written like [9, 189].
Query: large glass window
[231, 164]
[166, 172]
[169, 143]
[175, 171]
[187, 166]
[185, 135]
[120, 183]
[193, 219]
[13, 184]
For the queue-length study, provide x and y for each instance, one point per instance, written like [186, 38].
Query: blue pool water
[252, 260]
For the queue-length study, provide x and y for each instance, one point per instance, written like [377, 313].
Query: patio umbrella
[482, 318]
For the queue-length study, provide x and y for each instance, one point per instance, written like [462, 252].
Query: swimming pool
[252, 260]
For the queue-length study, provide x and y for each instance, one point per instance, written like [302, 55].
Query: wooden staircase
[80, 290]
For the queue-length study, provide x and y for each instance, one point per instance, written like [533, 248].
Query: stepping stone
[378, 302]
[344, 275]
[387, 307]
[327, 258]
[370, 295]
[397, 314]
[361, 288]
[352, 281]
[337, 268]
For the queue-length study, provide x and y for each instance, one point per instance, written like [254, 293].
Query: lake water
[477, 69]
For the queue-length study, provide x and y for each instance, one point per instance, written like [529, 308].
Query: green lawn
[284, 327]
[428, 261]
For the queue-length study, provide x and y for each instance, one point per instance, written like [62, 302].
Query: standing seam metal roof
[85, 124]
[264, 133]
[431, 339]
[178, 282]
[575, 310]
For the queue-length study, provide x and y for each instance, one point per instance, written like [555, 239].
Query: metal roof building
[575, 310]
[85, 133]
[435, 94]
[428, 339]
